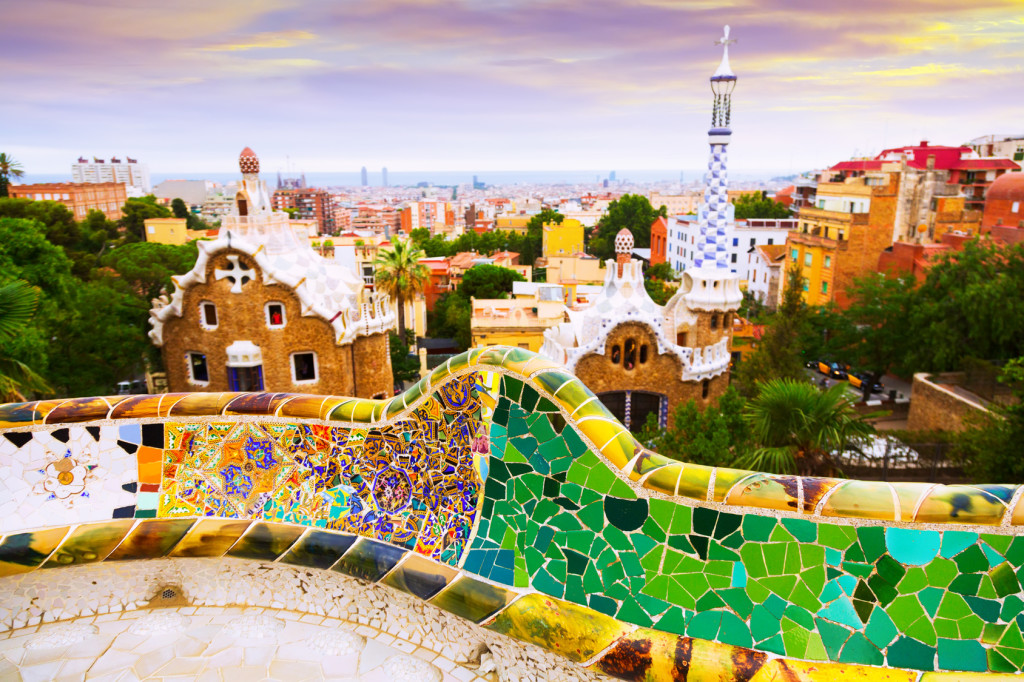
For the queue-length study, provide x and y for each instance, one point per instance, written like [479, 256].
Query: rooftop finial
[724, 70]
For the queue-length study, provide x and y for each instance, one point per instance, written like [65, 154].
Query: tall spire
[716, 213]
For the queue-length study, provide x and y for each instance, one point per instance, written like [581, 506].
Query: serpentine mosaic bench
[499, 489]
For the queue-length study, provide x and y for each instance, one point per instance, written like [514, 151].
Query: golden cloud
[260, 41]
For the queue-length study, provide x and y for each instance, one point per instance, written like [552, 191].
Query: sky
[333, 85]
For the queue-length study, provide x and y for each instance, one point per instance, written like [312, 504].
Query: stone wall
[242, 317]
[936, 406]
[661, 374]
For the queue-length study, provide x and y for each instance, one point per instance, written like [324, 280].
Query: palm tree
[398, 273]
[798, 427]
[9, 168]
[18, 302]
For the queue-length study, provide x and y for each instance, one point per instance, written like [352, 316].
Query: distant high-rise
[384, 174]
[366, 180]
[611, 176]
[130, 172]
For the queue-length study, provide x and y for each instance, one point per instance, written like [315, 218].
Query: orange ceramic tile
[861, 500]
[137, 407]
[303, 406]
[78, 410]
[150, 460]
[151, 539]
[13, 415]
[256, 403]
[202, 404]
[815, 489]
[210, 538]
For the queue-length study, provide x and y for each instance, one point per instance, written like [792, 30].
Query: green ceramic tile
[472, 599]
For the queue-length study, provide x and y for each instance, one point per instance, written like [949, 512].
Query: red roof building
[972, 176]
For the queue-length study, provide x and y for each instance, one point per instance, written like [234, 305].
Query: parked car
[857, 380]
[831, 369]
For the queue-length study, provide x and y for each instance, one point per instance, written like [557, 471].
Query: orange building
[440, 280]
[1004, 208]
[659, 240]
[79, 197]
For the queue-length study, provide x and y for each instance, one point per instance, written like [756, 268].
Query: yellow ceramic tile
[960, 504]
[694, 482]
[766, 492]
[23, 552]
[664, 479]
[861, 500]
[574, 631]
[781, 669]
[210, 538]
[90, 543]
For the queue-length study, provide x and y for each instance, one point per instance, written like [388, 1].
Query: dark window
[643, 353]
[305, 366]
[245, 378]
[616, 354]
[210, 314]
[641, 405]
[705, 388]
[197, 367]
[714, 320]
[629, 357]
[275, 315]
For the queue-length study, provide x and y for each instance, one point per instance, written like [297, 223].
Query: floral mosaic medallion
[65, 478]
[415, 482]
[391, 490]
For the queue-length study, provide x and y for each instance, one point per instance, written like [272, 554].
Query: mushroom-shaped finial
[624, 241]
[248, 162]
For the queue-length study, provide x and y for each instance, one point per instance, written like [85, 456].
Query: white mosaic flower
[61, 635]
[64, 478]
[411, 669]
[338, 643]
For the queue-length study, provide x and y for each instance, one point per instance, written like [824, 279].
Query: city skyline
[499, 86]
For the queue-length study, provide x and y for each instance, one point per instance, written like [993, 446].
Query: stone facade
[244, 316]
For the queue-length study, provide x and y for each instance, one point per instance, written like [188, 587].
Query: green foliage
[970, 304]
[758, 205]
[399, 274]
[9, 168]
[655, 282]
[489, 281]
[453, 313]
[18, 301]
[715, 437]
[147, 267]
[777, 356]
[631, 211]
[990, 449]
[134, 215]
[179, 209]
[797, 427]
[89, 330]
[404, 367]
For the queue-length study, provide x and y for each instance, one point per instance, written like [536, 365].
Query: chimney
[930, 164]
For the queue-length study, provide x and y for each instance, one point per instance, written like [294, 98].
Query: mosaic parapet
[507, 481]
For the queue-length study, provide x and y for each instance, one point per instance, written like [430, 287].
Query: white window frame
[188, 364]
[316, 367]
[284, 315]
[202, 315]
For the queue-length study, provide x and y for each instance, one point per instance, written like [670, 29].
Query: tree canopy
[452, 313]
[632, 212]
[134, 215]
[758, 205]
[398, 273]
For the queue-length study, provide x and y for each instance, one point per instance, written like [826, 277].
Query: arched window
[714, 320]
[629, 357]
[616, 354]
[705, 388]
[727, 320]
[643, 353]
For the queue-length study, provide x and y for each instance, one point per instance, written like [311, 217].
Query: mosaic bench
[501, 490]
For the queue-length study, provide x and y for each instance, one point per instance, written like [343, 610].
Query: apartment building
[79, 197]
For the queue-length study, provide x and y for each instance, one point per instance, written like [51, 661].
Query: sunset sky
[183, 85]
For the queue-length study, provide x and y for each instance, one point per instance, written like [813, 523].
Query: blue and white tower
[716, 213]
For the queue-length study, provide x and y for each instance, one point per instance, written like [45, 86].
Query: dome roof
[624, 241]
[1008, 186]
[248, 162]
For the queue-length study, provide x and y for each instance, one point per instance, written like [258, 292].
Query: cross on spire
[725, 40]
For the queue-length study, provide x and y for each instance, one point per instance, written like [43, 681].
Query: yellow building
[562, 239]
[170, 231]
[515, 223]
[517, 321]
